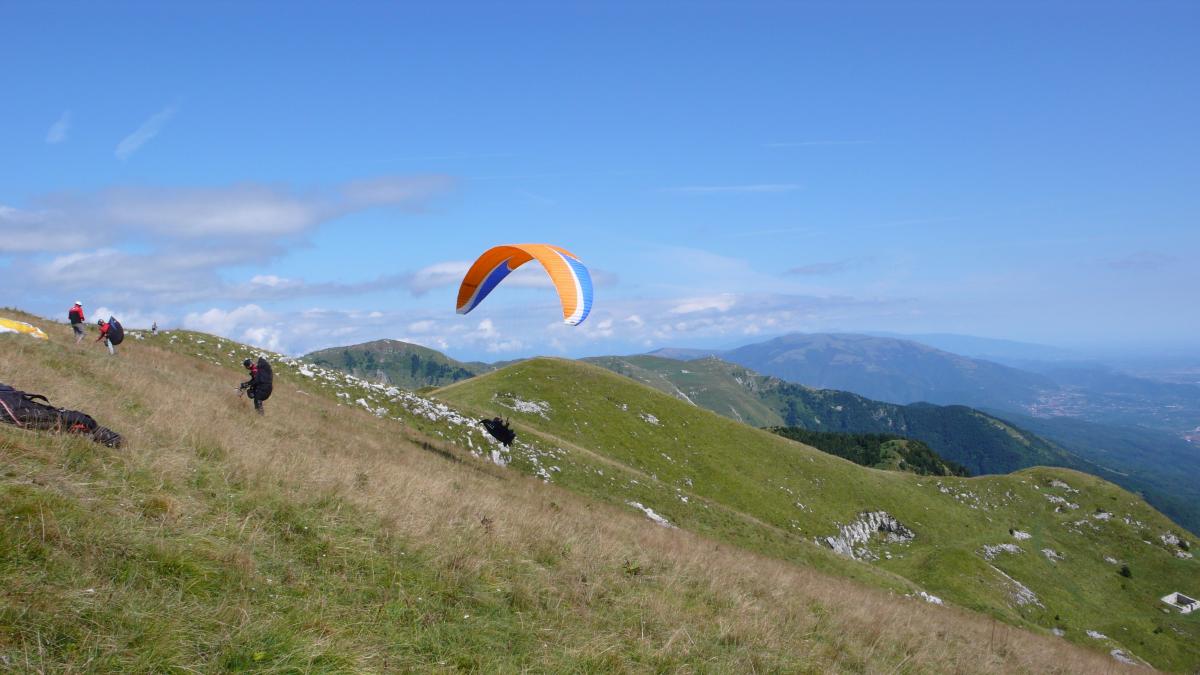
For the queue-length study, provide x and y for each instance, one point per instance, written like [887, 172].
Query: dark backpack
[116, 334]
[262, 390]
[23, 410]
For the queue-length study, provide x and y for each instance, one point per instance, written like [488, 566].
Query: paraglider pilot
[251, 386]
[104, 329]
[75, 314]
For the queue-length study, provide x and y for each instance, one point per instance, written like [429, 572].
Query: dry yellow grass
[603, 584]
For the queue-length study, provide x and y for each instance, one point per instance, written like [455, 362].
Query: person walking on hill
[257, 387]
[76, 316]
[105, 327]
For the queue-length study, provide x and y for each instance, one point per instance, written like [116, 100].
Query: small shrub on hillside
[1125, 571]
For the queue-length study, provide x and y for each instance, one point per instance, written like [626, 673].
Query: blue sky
[301, 176]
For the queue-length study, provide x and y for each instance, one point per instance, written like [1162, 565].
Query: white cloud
[272, 281]
[58, 131]
[170, 245]
[720, 303]
[536, 329]
[265, 337]
[129, 318]
[31, 231]
[147, 131]
[392, 190]
[437, 275]
[504, 346]
[67, 221]
[226, 322]
[244, 210]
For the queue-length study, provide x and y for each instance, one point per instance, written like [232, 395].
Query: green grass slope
[399, 363]
[1070, 531]
[359, 528]
[980, 442]
[724, 388]
[1159, 465]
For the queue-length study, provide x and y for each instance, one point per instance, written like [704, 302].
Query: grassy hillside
[360, 528]
[1157, 464]
[399, 363]
[1069, 533]
[725, 388]
[980, 442]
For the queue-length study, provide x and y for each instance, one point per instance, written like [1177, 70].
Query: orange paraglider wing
[570, 277]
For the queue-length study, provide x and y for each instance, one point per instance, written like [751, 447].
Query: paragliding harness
[116, 333]
[261, 390]
[500, 430]
[260, 384]
[23, 410]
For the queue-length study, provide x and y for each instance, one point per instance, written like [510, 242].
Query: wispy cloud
[58, 131]
[827, 268]
[1141, 261]
[720, 303]
[771, 232]
[161, 246]
[149, 129]
[752, 188]
[76, 220]
[810, 144]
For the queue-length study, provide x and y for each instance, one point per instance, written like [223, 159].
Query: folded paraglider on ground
[500, 430]
[23, 410]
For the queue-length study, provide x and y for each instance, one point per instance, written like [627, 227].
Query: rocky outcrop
[851, 539]
[990, 551]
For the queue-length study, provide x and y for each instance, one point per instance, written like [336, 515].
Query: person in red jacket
[104, 326]
[76, 316]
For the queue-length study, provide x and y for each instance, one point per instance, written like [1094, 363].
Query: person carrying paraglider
[105, 329]
[258, 387]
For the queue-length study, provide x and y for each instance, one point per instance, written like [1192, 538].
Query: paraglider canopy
[570, 277]
[14, 326]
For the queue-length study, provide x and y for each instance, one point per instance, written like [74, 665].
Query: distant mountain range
[1008, 352]
[904, 371]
